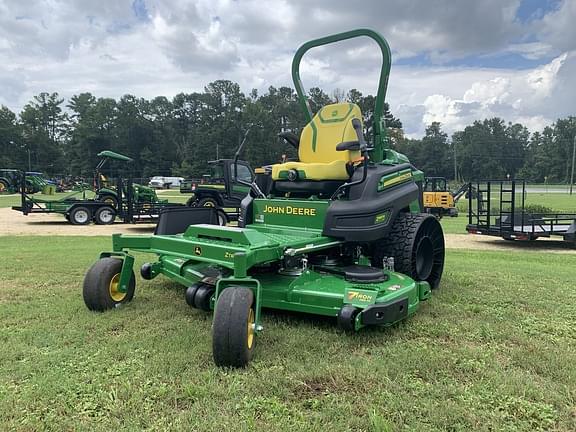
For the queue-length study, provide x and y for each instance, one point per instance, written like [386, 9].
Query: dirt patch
[478, 242]
[14, 223]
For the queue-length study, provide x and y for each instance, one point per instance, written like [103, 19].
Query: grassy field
[493, 350]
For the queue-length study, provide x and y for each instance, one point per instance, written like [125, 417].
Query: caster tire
[190, 293]
[233, 333]
[202, 298]
[100, 288]
[347, 318]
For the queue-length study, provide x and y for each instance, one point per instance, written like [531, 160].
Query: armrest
[348, 145]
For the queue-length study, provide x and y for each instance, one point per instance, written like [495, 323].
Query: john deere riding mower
[339, 233]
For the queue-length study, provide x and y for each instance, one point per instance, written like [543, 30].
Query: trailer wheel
[80, 215]
[233, 328]
[105, 216]
[416, 242]
[347, 318]
[100, 288]
[3, 186]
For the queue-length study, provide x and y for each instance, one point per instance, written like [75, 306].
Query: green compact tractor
[9, 180]
[340, 233]
[108, 194]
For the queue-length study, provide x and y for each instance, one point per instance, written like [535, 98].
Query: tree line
[179, 136]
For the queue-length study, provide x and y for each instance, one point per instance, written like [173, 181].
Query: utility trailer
[82, 211]
[498, 208]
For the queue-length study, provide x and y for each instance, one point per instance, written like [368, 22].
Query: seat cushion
[336, 170]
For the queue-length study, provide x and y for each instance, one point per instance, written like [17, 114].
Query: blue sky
[453, 61]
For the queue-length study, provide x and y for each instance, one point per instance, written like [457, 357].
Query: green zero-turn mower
[339, 233]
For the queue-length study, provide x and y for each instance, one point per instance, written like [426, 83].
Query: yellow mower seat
[319, 159]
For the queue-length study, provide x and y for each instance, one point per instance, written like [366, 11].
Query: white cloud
[175, 46]
[534, 98]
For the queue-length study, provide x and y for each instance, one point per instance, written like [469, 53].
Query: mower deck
[250, 257]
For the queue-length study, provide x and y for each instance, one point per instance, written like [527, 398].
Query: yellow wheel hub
[114, 289]
[2, 187]
[208, 204]
[250, 338]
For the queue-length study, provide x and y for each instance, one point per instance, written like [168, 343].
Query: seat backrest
[329, 127]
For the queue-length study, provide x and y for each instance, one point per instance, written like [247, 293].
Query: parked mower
[340, 233]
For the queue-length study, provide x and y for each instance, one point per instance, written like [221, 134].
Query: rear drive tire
[416, 242]
[100, 288]
[105, 216]
[80, 216]
[233, 328]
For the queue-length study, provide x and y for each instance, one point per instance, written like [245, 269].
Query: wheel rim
[114, 289]
[109, 201]
[2, 187]
[106, 216]
[81, 216]
[209, 204]
[250, 335]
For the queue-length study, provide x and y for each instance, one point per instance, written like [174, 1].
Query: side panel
[372, 206]
[290, 213]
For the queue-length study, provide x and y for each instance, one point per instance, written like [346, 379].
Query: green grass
[493, 350]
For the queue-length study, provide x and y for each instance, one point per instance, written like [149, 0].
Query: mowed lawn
[493, 350]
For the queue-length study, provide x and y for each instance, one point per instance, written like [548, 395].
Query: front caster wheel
[347, 318]
[233, 328]
[101, 285]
